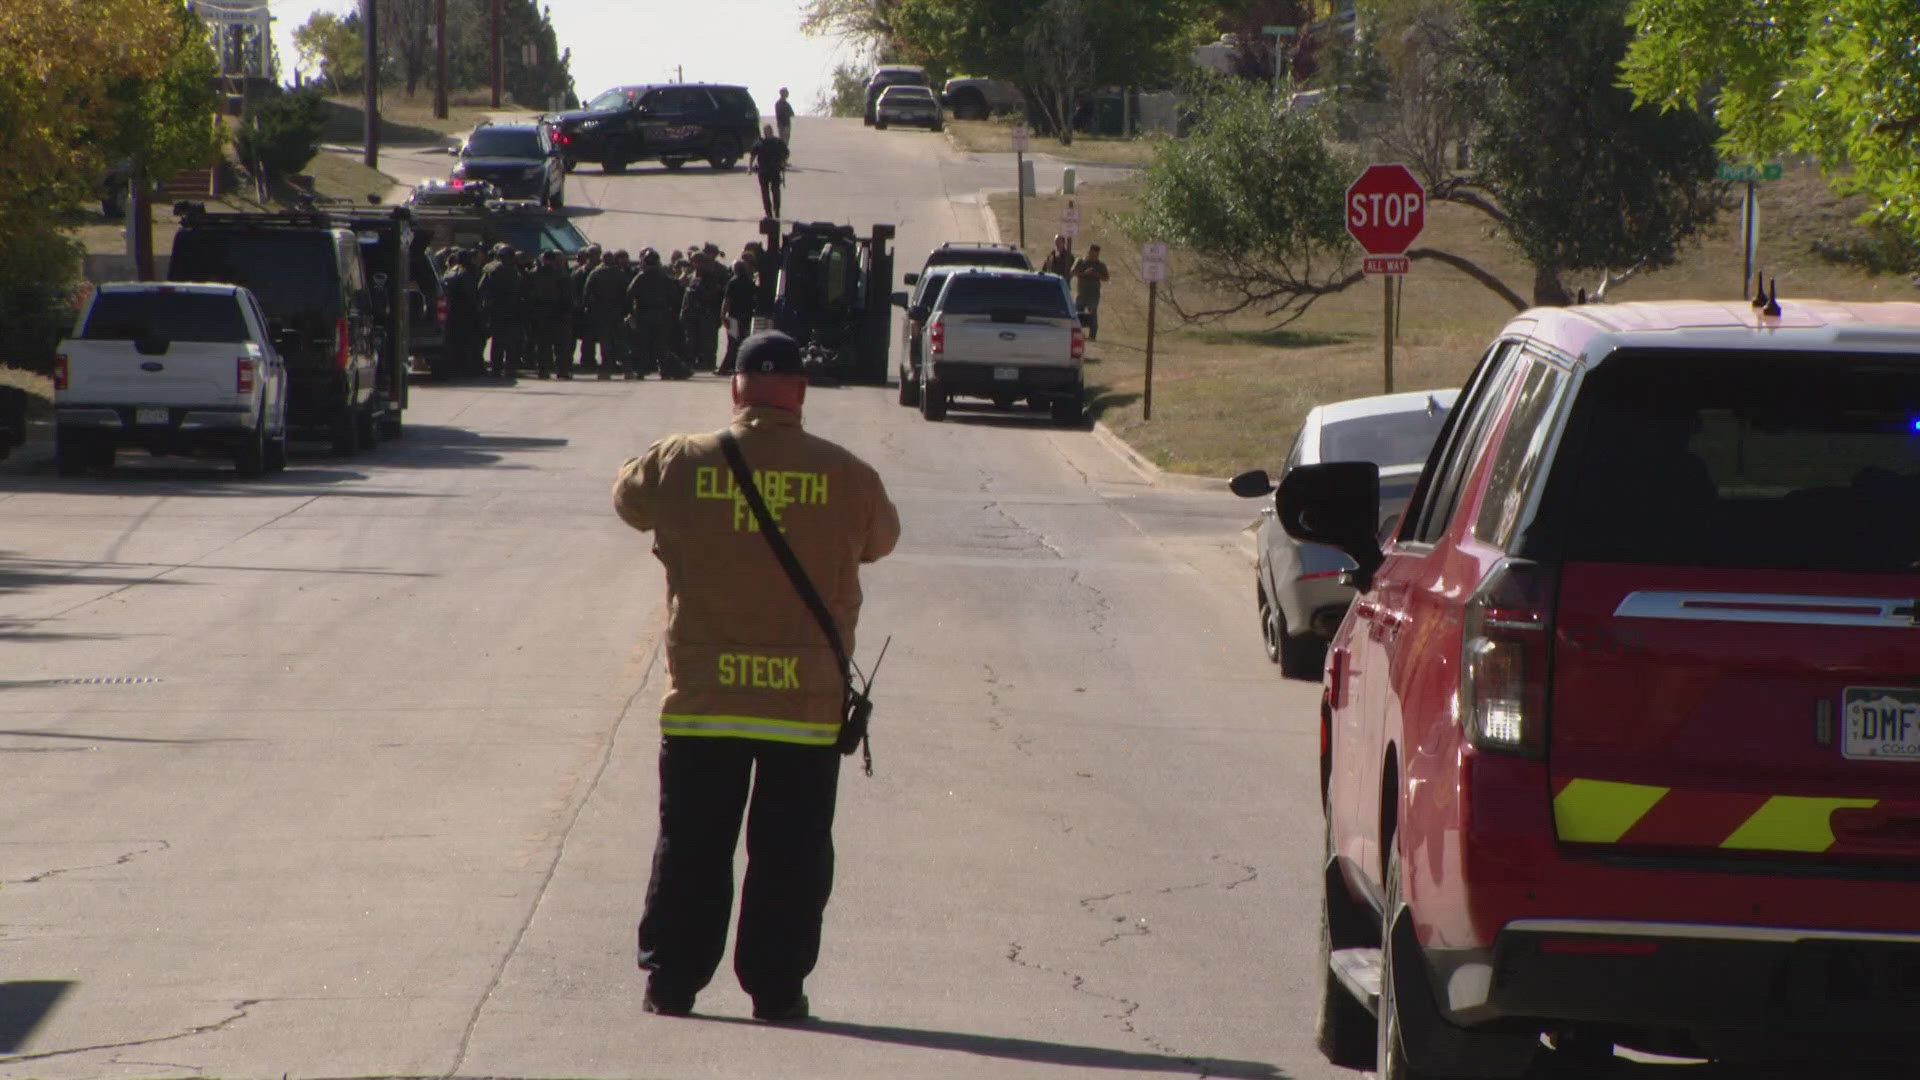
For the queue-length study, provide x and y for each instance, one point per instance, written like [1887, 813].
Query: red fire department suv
[1622, 733]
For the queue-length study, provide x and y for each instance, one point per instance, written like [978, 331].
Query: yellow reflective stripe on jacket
[799, 732]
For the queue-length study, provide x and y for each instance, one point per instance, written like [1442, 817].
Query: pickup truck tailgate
[979, 339]
[186, 373]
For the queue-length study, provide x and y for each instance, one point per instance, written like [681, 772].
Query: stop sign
[1386, 209]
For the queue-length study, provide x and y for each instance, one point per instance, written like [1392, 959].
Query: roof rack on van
[1006, 244]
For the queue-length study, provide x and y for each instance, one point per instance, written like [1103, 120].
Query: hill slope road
[351, 772]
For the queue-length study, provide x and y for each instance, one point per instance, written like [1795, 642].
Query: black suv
[521, 161]
[672, 123]
[347, 311]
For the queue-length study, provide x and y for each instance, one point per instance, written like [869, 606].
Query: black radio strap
[743, 479]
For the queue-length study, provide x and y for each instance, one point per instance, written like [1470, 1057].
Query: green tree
[1835, 79]
[1129, 42]
[331, 46]
[1254, 193]
[846, 94]
[281, 131]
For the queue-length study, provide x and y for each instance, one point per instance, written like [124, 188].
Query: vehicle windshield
[1772, 461]
[612, 99]
[1402, 438]
[175, 316]
[504, 142]
[293, 274]
[970, 295]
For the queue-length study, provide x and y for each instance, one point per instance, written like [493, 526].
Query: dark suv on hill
[521, 161]
[672, 123]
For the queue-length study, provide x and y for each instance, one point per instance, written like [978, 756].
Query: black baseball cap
[769, 352]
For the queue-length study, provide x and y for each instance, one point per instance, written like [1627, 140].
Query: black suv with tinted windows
[521, 161]
[672, 123]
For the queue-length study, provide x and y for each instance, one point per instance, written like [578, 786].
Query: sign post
[1386, 211]
[1279, 34]
[1153, 268]
[1750, 210]
[1021, 136]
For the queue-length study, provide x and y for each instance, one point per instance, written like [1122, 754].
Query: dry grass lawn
[1229, 396]
[995, 136]
[407, 121]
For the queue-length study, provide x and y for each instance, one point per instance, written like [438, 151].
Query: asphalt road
[350, 772]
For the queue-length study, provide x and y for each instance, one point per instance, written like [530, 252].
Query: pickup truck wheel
[673, 163]
[346, 433]
[1301, 657]
[933, 401]
[1067, 410]
[909, 393]
[250, 457]
[613, 165]
[880, 125]
[277, 453]
[1345, 1033]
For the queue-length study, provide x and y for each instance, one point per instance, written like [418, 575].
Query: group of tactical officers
[623, 316]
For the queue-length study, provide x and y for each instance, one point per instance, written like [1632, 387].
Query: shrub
[281, 132]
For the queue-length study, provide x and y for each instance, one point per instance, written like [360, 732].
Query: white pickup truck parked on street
[1006, 336]
[172, 368]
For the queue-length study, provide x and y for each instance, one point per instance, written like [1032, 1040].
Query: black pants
[704, 789]
[770, 195]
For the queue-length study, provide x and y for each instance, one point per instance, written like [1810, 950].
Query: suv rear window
[505, 142]
[735, 99]
[176, 316]
[1044, 296]
[1789, 461]
[293, 273]
[1007, 257]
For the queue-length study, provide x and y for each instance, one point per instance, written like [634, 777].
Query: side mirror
[1336, 504]
[898, 299]
[911, 279]
[1252, 484]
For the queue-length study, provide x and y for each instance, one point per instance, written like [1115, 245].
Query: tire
[1067, 411]
[936, 126]
[1390, 1054]
[726, 151]
[369, 428]
[71, 452]
[1345, 1031]
[1273, 624]
[970, 106]
[880, 125]
[933, 401]
[346, 433]
[250, 457]
[569, 164]
[1301, 657]
[392, 424]
[673, 163]
[614, 166]
[909, 390]
[277, 453]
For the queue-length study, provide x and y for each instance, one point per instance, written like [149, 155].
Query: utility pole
[369, 17]
[440, 46]
[496, 53]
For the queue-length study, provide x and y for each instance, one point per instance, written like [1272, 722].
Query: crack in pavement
[241, 1011]
[153, 846]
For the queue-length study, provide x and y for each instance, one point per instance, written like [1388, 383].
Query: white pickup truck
[1004, 335]
[172, 368]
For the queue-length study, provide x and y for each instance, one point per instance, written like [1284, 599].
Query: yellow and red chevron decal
[1587, 811]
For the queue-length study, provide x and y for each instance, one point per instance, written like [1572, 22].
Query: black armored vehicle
[831, 294]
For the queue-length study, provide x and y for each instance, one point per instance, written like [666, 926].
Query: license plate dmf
[1006, 373]
[150, 416]
[1880, 723]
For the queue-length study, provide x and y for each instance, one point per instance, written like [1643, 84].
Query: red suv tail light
[1503, 665]
[936, 336]
[440, 310]
[243, 375]
[1079, 342]
[342, 344]
[60, 373]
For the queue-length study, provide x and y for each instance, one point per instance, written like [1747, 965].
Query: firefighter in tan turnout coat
[754, 695]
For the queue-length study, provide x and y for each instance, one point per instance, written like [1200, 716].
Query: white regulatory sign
[1070, 221]
[1021, 136]
[1153, 261]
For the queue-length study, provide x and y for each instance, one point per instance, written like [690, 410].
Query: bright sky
[756, 43]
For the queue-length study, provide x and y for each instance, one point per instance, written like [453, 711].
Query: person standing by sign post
[1089, 273]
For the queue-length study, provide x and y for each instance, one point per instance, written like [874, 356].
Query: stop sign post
[1386, 211]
